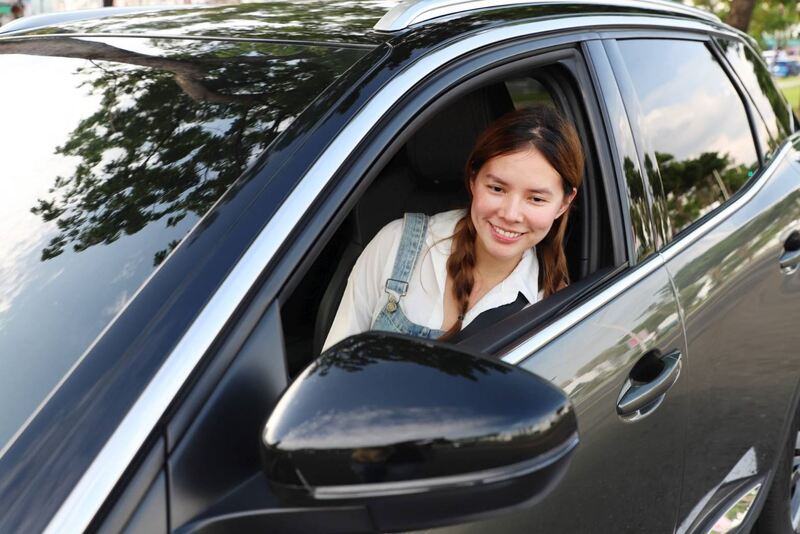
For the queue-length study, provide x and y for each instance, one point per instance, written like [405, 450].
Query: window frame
[474, 70]
[748, 97]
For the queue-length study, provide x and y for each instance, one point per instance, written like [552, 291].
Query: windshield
[112, 149]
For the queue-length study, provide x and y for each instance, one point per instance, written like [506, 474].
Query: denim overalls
[391, 318]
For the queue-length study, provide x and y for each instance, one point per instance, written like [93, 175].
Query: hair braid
[460, 268]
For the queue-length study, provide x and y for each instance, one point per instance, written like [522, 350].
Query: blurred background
[775, 25]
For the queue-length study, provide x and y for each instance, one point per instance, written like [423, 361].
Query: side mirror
[419, 432]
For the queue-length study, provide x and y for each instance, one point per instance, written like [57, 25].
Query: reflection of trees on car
[172, 133]
[695, 186]
[639, 208]
[729, 260]
[357, 353]
[279, 20]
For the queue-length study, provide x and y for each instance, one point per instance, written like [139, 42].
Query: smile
[506, 234]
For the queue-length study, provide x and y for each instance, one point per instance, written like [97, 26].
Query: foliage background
[775, 18]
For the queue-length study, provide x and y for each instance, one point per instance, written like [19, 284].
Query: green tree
[772, 17]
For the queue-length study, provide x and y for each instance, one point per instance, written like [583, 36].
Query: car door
[731, 215]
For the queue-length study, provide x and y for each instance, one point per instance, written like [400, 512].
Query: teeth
[505, 233]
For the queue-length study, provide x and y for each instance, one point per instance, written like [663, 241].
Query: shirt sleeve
[365, 286]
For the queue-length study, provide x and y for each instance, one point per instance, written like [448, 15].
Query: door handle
[648, 383]
[790, 259]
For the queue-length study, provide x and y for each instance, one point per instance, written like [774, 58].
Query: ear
[567, 202]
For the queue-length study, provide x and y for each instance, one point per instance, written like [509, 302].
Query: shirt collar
[523, 279]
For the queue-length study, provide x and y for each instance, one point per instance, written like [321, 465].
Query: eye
[495, 188]
[537, 199]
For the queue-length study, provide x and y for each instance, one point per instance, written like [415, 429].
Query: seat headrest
[438, 152]
[427, 175]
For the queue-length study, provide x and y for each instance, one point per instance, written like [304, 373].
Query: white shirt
[423, 304]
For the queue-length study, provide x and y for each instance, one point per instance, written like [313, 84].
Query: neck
[491, 268]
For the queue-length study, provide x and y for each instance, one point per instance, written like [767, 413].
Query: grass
[793, 96]
[791, 90]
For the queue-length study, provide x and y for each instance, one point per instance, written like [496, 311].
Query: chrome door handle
[638, 398]
[790, 259]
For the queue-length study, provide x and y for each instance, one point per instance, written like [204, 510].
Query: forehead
[525, 168]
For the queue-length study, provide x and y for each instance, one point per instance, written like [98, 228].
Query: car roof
[312, 21]
[365, 23]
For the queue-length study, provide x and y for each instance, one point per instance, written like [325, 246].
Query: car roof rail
[51, 19]
[410, 12]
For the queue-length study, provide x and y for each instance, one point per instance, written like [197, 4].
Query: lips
[505, 236]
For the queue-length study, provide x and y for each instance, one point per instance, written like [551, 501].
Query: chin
[507, 252]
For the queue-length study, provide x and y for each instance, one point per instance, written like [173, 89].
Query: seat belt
[490, 317]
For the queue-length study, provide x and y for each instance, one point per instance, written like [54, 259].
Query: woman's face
[515, 199]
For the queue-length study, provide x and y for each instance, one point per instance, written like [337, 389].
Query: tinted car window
[527, 92]
[117, 148]
[758, 83]
[695, 123]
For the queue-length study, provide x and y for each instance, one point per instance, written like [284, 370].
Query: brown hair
[546, 130]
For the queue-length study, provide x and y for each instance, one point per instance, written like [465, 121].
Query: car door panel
[617, 463]
[142, 505]
[742, 332]
[216, 452]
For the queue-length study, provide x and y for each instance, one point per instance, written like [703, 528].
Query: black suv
[184, 192]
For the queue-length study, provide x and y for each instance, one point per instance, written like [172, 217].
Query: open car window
[419, 179]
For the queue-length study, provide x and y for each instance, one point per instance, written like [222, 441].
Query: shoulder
[390, 230]
[443, 225]
[387, 239]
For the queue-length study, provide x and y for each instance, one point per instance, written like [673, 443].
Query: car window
[526, 92]
[107, 163]
[759, 85]
[694, 123]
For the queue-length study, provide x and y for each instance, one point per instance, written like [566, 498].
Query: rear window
[112, 149]
[694, 121]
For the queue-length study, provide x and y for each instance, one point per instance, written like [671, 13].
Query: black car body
[187, 231]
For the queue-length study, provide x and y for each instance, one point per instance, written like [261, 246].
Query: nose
[511, 209]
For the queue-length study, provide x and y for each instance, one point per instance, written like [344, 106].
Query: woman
[430, 277]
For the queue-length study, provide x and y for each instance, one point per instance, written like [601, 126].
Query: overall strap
[415, 226]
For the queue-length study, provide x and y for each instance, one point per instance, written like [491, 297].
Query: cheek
[483, 205]
[542, 218]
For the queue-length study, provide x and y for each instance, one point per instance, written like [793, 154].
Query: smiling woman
[430, 277]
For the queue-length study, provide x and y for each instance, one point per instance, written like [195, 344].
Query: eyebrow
[543, 191]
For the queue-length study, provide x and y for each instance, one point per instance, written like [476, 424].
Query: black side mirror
[421, 433]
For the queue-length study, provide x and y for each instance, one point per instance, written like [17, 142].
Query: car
[784, 68]
[184, 192]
